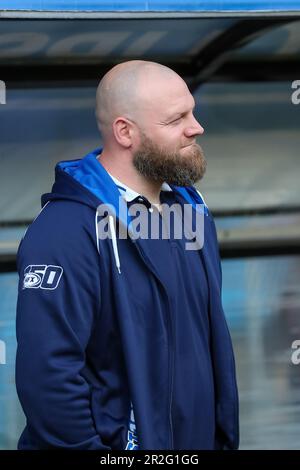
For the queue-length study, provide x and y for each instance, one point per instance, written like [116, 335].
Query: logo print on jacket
[132, 440]
[42, 276]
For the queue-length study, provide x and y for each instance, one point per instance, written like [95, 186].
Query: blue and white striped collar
[129, 194]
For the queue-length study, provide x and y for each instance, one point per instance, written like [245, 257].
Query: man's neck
[128, 175]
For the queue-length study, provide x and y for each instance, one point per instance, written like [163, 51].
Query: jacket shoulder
[62, 228]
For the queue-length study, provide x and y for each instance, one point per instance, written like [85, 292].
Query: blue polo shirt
[193, 403]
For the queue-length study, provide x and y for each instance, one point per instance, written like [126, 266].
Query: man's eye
[175, 121]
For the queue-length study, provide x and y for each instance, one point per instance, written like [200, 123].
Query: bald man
[122, 339]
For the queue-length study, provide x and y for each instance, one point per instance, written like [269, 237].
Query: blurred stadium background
[240, 59]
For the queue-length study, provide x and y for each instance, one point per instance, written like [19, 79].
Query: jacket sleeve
[58, 303]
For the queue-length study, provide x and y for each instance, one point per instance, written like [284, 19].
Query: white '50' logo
[42, 276]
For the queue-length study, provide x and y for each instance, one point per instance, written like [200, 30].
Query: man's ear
[123, 131]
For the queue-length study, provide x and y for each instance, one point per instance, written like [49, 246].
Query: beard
[163, 165]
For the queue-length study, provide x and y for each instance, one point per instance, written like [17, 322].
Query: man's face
[167, 149]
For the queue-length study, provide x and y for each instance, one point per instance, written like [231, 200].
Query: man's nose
[194, 128]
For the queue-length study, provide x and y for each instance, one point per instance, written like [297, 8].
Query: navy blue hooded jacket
[93, 371]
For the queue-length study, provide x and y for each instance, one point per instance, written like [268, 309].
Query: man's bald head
[125, 89]
[145, 114]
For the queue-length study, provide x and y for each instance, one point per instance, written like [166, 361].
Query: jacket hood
[84, 180]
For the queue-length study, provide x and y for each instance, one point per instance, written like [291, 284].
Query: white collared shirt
[129, 194]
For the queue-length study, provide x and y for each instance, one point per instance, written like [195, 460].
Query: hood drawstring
[113, 239]
[114, 242]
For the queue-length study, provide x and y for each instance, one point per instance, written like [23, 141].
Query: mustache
[193, 148]
[195, 141]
